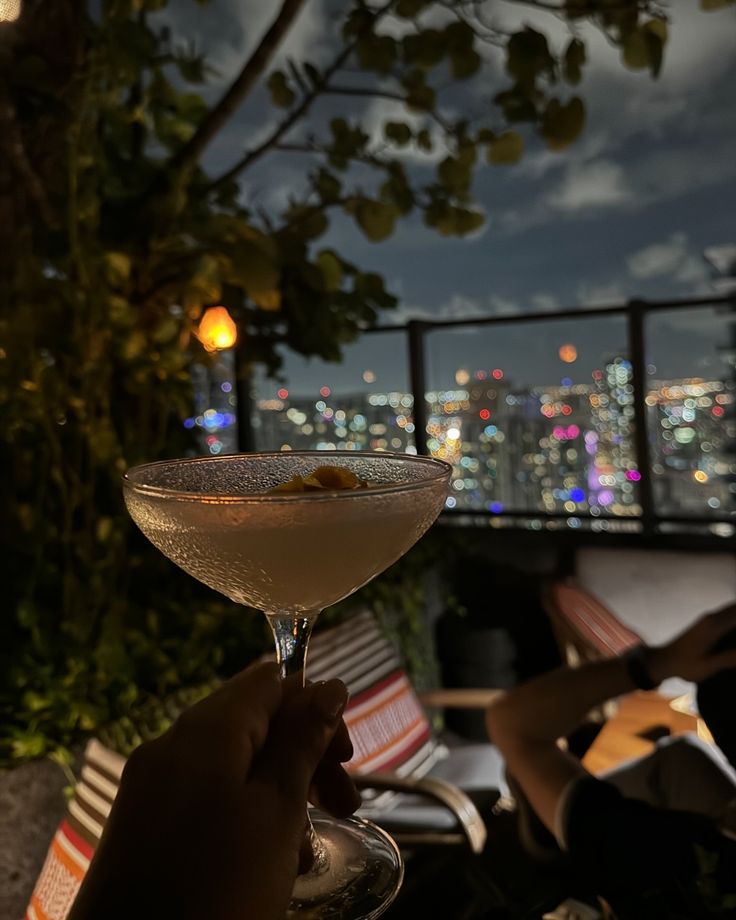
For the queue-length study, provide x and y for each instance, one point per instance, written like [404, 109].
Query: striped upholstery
[592, 625]
[78, 834]
[387, 724]
[384, 717]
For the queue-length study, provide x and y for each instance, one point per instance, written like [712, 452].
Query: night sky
[625, 212]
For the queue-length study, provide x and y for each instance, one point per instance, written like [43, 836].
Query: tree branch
[384, 94]
[363, 91]
[189, 154]
[16, 153]
[367, 159]
[296, 114]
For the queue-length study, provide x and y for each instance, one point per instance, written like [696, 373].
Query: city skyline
[564, 448]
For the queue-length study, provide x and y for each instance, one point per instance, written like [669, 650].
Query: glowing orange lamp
[568, 353]
[217, 329]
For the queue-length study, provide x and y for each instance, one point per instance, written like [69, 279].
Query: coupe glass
[291, 554]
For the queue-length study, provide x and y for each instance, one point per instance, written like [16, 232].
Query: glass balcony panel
[535, 417]
[691, 411]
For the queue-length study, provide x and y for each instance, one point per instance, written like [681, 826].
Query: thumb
[300, 735]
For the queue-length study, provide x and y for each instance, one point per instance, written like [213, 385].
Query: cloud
[379, 111]
[308, 39]
[596, 294]
[648, 177]
[459, 307]
[586, 189]
[545, 302]
[671, 258]
[598, 184]
[659, 258]
[462, 307]
[722, 258]
[503, 306]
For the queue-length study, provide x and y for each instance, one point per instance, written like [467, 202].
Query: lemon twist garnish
[324, 478]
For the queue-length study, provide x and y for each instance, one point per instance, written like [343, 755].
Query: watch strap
[637, 667]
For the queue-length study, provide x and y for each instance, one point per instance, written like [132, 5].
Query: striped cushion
[77, 836]
[387, 724]
[592, 623]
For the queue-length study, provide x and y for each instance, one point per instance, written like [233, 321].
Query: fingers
[341, 747]
[231, 725]
[333, 790]
[306, 855]
[300, 735]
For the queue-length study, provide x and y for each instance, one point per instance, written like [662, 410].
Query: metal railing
[635, 312]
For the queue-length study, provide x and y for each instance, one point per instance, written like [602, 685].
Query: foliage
[114, 237]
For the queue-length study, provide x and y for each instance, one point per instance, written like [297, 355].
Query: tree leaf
[398, 191]
[204, 285]
[451, 220]
[574, 60]
[398, 132]
[465, 64]
[635, 50]
[517, 105]
[376, 219]
[282, 95]
[331, 268]
[506, 148]
[563, 122]
[270, 301]
[309, 222]
[655, 36]
[377, 53]
[426, 48]
[424, 140]
[327, 185]
[408, 9]
[528, 56]
[421, 98]
[315, 77]
[455, 175]
[252, 268]
[459, 36]
[117, 268]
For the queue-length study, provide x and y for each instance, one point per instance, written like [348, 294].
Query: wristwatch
[637, 667]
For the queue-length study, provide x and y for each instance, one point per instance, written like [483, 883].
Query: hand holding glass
[291, 554]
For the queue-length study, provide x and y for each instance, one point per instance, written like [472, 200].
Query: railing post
[417, 381]
[244, 403]
[636, 314]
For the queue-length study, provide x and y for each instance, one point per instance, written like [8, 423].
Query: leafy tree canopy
[114, 237]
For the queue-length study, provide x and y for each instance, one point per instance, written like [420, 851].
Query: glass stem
[291, 632]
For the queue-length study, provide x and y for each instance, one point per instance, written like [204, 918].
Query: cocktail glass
[291, 554]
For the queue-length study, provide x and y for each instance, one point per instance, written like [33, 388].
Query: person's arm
[527, 722]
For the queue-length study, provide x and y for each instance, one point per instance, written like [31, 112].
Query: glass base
[362, 873]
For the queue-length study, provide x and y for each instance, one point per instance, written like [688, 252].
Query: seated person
[673, 859]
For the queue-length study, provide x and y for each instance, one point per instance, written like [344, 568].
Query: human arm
[527, 722]
[210, 818]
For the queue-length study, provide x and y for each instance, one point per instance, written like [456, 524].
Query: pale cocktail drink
[292, 552]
